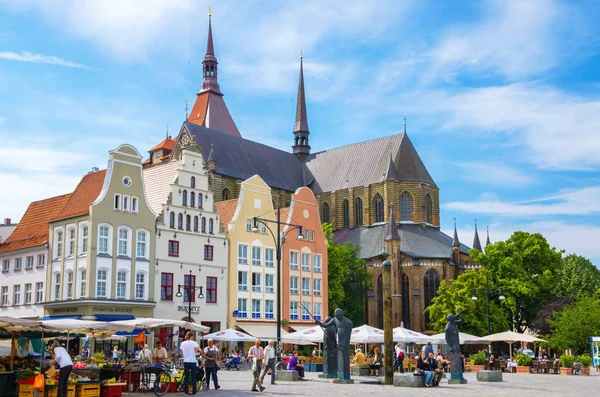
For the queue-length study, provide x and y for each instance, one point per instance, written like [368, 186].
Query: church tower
[209, 109]
[301, 147]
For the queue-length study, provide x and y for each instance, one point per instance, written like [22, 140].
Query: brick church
[356, 185]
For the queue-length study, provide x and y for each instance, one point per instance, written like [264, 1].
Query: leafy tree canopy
[572, 327]
[577, 277]
[541, 323]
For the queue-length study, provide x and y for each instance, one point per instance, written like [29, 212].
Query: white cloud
[584, 201]
[496, 174]
[38, 58]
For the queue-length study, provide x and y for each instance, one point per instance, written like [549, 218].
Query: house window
[117, 206]
[293, 310]
[306, 262]
[71, 244]
[121, 284]
[141, 251]
[203, 225]
[69, 285]
[200, 200]
[39, 292]
[312, 236]
[134, 205]
[173, 248]
[59, 244]
[317, 287]
[226, 195]
[269, 283]
[242, 281]
[379, 208]
[256, 256]
[84, 240]
[101, 284]
[6, 265]
[192, 199]
[123, 240]
[184, 198]
[126, 203]
[193, 182]
[29, 262]
[256, 282]
[269, 254]
[248, 225]
[317, 263]
[255, 308]
[269, 308]
[140, 285]
[317, 311]
[189, 281]
[18, 263]
[28, 295]
[431, 283]
[263, 228]
[211, 290]
[294, 285]
[406, 207]
[195, 223]
[82, 285]
[41, 260]
[180, 221]
[358, 212]
[172, 220]
[428, 208]
[325, 213]
[211, 226]
[305, 286]
[56, 286]
[4, 296]
[242, 309]
[346, 214]
[305, 313]
[208, 252]
[188, 222]
[242, 254]
[293, 260]
[103, 240]
[166, 286]
[16, 295]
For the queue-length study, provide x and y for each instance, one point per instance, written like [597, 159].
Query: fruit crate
[87, 390]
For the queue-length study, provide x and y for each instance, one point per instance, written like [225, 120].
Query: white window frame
[29, 262]
[6, 265]
[317, 266]
[4, 293]
[256, 261]
[104, 281]
[82, 283]
[248, 225]
[134, 205]
[56, 286]
[242, 307]
[294, 310]
[317, 310]
[39, 292]
[269, 308]
[256, 279]
[18, 263]
[294, 260]
[121, 283]
[126, 202]
[41, 260]
[84, 233]
[71, 242]
[244, 285]
[305, 313]
[140, 242]
[312, 236]
[294, 285]
[117, 202]
[16, 294]
[269, 283]
[305, 266]
[256, 304]
[317, 287]
[269, 262]
[241, 259]
[28, 294]
[107, 238]
[69, 284]
[305, 286]
[140, 286]
[59, 244]
[127, 242]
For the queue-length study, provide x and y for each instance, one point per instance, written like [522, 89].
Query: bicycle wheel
[162, 382]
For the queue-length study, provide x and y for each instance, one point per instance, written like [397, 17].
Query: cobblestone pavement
[238, 383]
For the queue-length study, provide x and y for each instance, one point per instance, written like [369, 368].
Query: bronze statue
[343, 327]
[453, 342]
[329, 351]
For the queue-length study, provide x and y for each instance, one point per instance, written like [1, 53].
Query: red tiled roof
[165, 144]
[85, 193]
[33, 228]
[226, 210]
[200, 109]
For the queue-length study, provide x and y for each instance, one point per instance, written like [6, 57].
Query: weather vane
[209, 11]
[186, 108]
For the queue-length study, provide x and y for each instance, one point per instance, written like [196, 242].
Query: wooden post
[12, 352]
[388, 343]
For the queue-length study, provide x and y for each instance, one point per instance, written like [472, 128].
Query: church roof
[157, 183]
[242, 158]
[166, 144]
[365, 163]
[416, 241]
[211, 111]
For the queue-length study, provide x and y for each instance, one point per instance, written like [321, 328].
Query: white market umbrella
[405, 335]
[83, 326]
[18, 324]
[312, 335]
[464, 338]
[151, 323]
[366, 334]
[509, 337]
[230, 334]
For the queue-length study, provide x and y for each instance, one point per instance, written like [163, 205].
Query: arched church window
[325, 213]
[346, 214]
[193, 182]
[199, 200]
[431, 283]
[172, 220]
[406, 207]
[379, 208]
[192, 199]
[428, 208]
[226, 194]
[188, 222]
[358, 212]
[405, 301]
[180, 221]
[184, 198]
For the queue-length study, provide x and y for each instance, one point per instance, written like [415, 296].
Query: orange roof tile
[166, 144]
[85, 193]
[200, 109]
[226, 210]
[33, 228]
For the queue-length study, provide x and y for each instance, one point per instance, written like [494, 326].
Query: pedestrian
[257, 354]
[270, 357]
[62, 358]
[211, 356]
[188, 350]
[399, 362]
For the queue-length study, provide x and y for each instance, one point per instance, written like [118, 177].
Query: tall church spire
[209, 64]
[455, 241]
[487, 240]
[301, 147]
[476, 241]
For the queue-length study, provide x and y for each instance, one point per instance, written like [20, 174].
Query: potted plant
[479, 360]
[523, 363]
[586, 362]
[566, 364]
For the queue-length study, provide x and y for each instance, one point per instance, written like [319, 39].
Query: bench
[408, 380]
[286, 375]
[360, 371]
[489, 376]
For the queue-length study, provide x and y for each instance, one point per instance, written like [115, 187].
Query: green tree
[572, 327]
[577, 277]
[525, 267]
[455, 296]
[348, 279]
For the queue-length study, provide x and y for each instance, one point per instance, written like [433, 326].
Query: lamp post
[279, 240]
[489, 316]
[190, 291]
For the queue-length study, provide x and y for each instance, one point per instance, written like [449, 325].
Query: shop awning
[62, 317]
[301, 328]
[262, 331]
[114, 317]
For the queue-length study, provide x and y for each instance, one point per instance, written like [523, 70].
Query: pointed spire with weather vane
[476, 241]
[487, 240]
[301, 147]
[455, 240]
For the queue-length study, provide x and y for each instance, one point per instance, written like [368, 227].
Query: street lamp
[190, 291]
[279, 240]
[487, 290]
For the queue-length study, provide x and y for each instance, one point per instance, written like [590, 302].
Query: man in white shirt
[62, 358]
[270, 357]
[188, 350]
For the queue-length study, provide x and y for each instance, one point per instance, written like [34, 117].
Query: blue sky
[502, 97]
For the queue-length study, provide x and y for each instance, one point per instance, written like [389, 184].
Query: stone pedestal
[457, 381]
[489, 376]
[408, 380]
[360, 371]
[286, 375]
[328, 376]
[344, 381]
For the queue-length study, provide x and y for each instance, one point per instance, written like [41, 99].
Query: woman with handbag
[423, 367]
